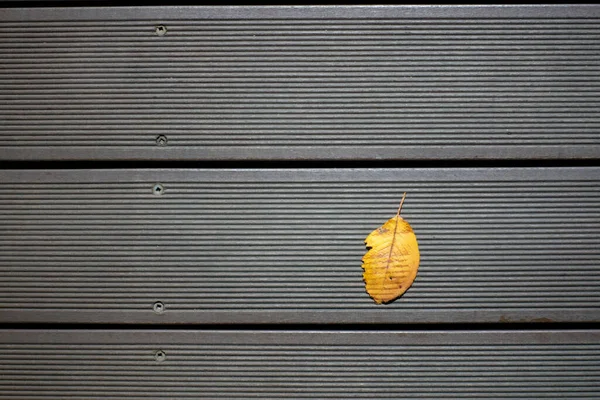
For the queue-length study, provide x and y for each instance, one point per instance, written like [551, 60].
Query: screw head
[158, 307]
[161, 30]
[158, 189]
[161, 140]
[160, 356]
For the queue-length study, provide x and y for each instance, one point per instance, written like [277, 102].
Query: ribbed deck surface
[304, 82]
[286, 245]
[299, 365]
[272, 257]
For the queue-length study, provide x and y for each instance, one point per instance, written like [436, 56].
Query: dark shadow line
[300, 164]
[156, 3]
[534, 326]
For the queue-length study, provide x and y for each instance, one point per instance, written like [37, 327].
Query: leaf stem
[401, 203]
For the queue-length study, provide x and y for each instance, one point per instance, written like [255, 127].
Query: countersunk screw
[158, 307]
[158, 189]
[161, 30]
[161, 140]
[160, 356]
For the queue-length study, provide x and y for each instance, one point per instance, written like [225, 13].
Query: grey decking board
[325, 337]
[284, 246]
[518, 12]
[308, 153]
[296, 83]
[298, 364]
[522, 244]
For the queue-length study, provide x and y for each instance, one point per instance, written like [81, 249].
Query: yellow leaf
[392, 260]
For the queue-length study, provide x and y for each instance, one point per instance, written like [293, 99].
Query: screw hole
[160, 356]
[158, 189]
[158, 307]
[161, 30]
[161, 140]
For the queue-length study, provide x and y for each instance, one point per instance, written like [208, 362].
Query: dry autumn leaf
[392, 260]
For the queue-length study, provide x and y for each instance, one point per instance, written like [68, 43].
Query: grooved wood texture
[299, 365]
[300, 82]
[180, 249]
[233, 246]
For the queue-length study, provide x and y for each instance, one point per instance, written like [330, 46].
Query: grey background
[505, 305]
